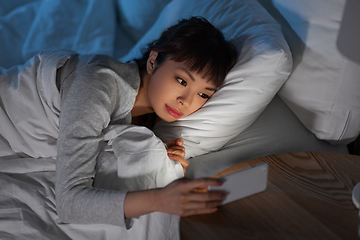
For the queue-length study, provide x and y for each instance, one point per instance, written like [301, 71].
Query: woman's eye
[203, 95]
[182, 82]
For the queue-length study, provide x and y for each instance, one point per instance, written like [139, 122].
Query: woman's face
[175, 92]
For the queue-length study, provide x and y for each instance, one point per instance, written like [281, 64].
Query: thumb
[174, 142]
[179, 141]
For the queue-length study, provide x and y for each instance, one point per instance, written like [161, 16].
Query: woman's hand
[176, 152]
[182, 198]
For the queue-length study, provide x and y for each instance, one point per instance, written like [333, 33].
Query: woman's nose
[185, 99]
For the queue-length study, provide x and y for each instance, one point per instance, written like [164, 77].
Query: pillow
[324, 88]
[137, 16]
[263, 66]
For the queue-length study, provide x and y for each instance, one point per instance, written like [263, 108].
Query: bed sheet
[27, 200]
[27, 209]
[27, 190]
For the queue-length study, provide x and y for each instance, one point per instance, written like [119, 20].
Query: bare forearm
[141, 202]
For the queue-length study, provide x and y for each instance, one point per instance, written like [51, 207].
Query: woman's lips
[173, 112]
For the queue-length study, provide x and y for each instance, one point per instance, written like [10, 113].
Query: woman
[174, 78]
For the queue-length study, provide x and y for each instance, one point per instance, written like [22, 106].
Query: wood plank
[308, 197]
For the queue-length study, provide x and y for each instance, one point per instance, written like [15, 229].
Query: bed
[290, 91]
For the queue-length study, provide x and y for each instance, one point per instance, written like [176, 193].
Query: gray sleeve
[88, 100]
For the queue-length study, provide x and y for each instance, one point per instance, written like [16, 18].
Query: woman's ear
[150, 64]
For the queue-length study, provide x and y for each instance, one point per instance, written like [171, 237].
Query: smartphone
[243, 183]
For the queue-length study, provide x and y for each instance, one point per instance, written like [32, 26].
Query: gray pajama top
[96, 91]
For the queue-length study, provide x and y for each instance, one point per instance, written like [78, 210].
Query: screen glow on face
[176, 92]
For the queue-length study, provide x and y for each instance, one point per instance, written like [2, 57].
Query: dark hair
[196, 43]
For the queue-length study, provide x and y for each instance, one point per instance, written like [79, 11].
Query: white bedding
[27, 205]
[27, 209]
[27, 195]
[28, 149]
[107, 27]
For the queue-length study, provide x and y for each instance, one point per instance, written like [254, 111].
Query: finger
[171, 143]
[200, 190]
[206, 196]
[175, 142]
[198, 211]
[181, 160]
[173, 148]
[202, 205]
[180, 152]
[179, 141]
[203, 183]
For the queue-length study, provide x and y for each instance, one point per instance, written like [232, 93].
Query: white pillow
[263, 66]
[324, 87]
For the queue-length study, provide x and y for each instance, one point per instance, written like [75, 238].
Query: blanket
[27, 209]
[85, 26]
[131, 158]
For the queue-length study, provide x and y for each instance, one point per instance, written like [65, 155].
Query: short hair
[199, 45]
